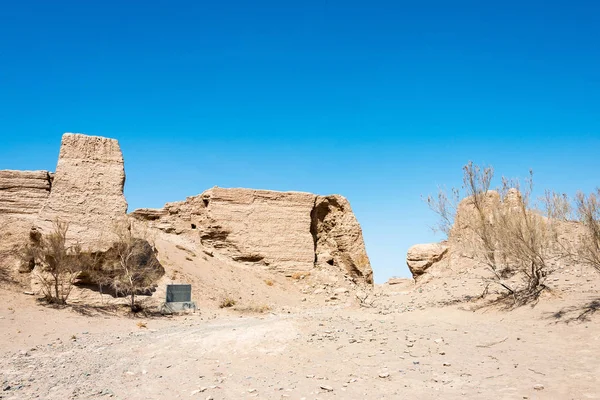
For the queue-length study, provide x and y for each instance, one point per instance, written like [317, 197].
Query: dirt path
[345, 353]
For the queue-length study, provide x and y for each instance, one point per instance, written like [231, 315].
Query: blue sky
[380, 101]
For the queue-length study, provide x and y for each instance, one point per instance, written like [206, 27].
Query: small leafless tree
[130, 267]
[444, 205]
[58, 263]
[588, 211]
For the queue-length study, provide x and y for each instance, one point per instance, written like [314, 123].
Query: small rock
[538, 387]
[326, 388]
[384, 375]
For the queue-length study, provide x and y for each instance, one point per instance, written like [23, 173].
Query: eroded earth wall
[23, 192]
[284, 231]
[87, 190]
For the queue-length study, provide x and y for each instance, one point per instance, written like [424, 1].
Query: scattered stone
[422, 256]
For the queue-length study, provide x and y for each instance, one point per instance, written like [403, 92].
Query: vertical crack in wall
[314, 227]
[49, 178]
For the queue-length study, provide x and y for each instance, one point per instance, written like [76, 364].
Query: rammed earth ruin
[281, 231]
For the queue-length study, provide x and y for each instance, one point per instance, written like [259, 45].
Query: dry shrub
[254, 308]
[300, 275]
[129, 266]
[58, 264]
[588, 212]
[502, 230]
[227, 302]
[365, 296]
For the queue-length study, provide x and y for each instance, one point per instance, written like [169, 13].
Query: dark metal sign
[179, 293]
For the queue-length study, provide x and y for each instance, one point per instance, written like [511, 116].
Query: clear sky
[379, 101]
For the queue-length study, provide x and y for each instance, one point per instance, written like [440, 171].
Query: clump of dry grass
[269, 282]
[300, 275]
[227, 302]
[254, 308]
[141, 325]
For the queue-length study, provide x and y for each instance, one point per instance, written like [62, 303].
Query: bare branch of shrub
[58, 264]
[588, 212]
[502, 231]
[129, 266]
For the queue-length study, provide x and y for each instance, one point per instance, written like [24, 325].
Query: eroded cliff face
[285, 231]
[24, 192]
[338, 237]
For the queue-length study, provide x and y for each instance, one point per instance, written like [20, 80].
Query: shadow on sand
[579, 313]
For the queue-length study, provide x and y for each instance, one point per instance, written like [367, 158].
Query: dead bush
[502, 230]
[254, 309]
[227, 302]
[588, 212]
[129, 267]
[58, 264]
[300, 275]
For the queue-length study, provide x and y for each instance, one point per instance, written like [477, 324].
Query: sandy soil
[403, 348]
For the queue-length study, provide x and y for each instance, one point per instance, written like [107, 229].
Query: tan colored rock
[338, 237]
[422, 256]
[260, 226]
[149, 214]
[286, 231]
[87, 190]
[399, 281]
[256, 226]
[24, 192]
[466, 212]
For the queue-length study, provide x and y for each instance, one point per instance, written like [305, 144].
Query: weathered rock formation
[422, 256]
[105, 266]
[87, 190]
[286, 231]
[24, 192]
[467, 214]
[338, 236]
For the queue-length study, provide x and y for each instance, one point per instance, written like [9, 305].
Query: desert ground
[286, 305]
[410, 343]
